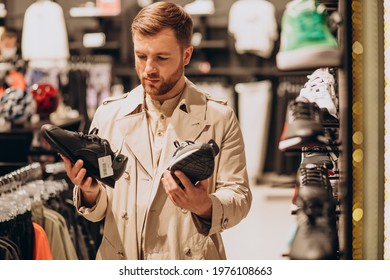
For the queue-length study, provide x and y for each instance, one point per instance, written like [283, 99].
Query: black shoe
[316, 237]
[317, 155]
[91, 149]
[302, 127]
[195, 160]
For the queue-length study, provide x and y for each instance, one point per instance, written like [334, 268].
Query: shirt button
[120, 254]
[187, 252]
[124, 215]
[162, 116]
[184, 211]
[159, 133]
[126, 175]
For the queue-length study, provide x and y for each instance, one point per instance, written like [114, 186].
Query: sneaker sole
[308, 58]
[299, 142]
[64, 151]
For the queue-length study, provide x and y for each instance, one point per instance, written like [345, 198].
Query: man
[147, 215]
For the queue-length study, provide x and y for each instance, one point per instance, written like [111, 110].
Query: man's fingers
[183, 178]
[68, 164]
[79, 179]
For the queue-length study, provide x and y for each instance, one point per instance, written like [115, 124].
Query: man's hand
[193, 198]
[88, 186]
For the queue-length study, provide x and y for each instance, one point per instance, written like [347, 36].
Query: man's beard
[165, 85]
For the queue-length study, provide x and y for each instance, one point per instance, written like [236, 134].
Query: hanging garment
[253, 26]
[76, 95]
[254, 100]
[9, 250]
[41, 244]
[44, 39]
[18, 232]
[98, 86]
[58, 235]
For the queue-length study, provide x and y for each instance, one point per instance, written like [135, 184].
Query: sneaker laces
[182, 145]
[313, 150]
[93, 137]
[314, 208]
[313, 176]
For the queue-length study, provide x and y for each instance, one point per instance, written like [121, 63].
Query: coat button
[187, 252]
[120, 254]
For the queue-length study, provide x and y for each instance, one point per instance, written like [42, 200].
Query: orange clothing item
[14, 79]
[41, 244]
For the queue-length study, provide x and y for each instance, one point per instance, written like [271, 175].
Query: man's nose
[150, 67]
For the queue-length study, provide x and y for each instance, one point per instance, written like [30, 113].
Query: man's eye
[141, 57]
[162, 58]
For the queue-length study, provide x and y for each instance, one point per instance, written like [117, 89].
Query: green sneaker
[306, 41]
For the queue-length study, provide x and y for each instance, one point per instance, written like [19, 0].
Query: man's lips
[151, 81]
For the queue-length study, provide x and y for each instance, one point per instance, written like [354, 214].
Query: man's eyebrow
[159, 53]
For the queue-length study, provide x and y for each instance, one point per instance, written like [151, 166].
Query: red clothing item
[41, 244]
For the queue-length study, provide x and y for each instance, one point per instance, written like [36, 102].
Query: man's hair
[155, 17]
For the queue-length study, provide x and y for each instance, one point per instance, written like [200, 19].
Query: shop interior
[89, 57]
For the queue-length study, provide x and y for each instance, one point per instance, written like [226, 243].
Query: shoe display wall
[311, 128]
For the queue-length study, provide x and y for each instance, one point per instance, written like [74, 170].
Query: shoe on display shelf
[195, 160]
[316, 237]
[200, 7]
[317, 155]
[100, 161]
[311, 175]
[320, 89]
[306, 41]
[302, 126]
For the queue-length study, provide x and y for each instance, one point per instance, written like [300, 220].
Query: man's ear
[187, 54]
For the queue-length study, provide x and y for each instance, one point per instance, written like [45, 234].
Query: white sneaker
[200, 7]
[320, 89]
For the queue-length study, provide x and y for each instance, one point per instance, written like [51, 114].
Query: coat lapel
[134, 128]
[187, 123]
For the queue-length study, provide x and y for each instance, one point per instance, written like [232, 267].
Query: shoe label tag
[105, 166]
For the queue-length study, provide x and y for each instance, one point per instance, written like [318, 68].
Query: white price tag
[105, 166]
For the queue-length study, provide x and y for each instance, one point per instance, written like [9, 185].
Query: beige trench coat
[149, 225]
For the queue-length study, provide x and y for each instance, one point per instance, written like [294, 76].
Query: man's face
[159, 62]
[8, 42]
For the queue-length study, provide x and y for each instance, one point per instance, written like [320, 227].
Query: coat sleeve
[96, 212]
[232, 198]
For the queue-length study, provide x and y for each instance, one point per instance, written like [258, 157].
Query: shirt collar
[166, 108]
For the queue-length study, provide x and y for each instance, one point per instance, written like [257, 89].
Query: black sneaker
[302, 127]
[195, 160]
[100, 161]
[317, 155]
[316, 237]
